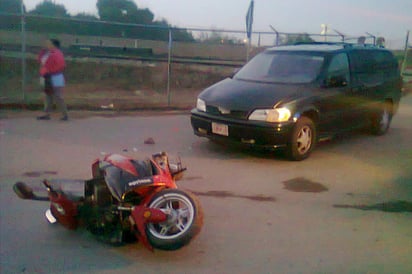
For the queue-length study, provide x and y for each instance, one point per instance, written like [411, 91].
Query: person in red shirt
[52, 65]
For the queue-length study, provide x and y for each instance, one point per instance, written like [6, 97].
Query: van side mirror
[337, 81]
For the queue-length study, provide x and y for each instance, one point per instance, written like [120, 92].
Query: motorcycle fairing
[120, 181]
[140, 217]
[122, 162]
[120, 174]
[64, 210]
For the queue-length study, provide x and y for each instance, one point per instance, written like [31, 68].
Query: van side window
[338, 74]
[373, 64]
[386, 63]
[362, 61]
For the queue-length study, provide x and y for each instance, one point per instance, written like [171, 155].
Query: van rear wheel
[381, 119]
[302, 140]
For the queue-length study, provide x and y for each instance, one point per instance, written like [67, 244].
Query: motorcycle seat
[72, 189]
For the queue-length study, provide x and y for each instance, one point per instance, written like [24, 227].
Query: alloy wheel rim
[385, 117]
[180, 212]
[304, 140]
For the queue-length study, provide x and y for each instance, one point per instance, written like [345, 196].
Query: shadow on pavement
[304, 185]
[228, 194]
[391, 207]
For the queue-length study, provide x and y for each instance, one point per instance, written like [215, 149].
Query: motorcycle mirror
[23, 191]
[177, 176]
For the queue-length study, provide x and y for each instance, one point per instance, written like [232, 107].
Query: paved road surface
[254, 222]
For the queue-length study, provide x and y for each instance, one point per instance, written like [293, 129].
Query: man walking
[52, 65]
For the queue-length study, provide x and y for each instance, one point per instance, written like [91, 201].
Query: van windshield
[282, 67]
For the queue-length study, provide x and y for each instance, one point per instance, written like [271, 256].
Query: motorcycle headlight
[201, 105]
[271, 115]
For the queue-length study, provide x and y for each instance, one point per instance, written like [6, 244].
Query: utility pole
[324, 32]
[405, 57]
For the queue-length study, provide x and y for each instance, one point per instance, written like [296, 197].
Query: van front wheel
[302, 140]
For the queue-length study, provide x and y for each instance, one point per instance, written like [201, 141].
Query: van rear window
[371, 61]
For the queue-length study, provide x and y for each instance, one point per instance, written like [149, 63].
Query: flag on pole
[249, 19]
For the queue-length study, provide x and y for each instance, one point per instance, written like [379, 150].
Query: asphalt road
[347, 209]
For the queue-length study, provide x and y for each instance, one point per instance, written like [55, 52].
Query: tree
[10, 6]
[291, 39]
[126, 11]
[123, 11]
[216, 37]
[48, 8]
[10, 22]
[85, 16]
[144, 16]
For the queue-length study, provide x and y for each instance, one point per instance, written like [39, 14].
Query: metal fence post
[249, 43]
[405, 57]
[23, 53]
[169, 66]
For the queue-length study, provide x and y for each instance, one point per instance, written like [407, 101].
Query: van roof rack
[319, 43]
[344, 44]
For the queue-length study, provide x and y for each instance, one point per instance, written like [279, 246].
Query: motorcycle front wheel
[184, 222]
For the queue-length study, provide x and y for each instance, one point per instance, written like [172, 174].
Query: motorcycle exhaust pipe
[23, 191]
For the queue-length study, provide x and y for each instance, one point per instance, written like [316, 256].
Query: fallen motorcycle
[127, 199]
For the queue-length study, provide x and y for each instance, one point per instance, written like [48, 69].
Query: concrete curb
[37, 107]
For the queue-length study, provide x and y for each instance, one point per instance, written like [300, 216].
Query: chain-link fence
[128, 66]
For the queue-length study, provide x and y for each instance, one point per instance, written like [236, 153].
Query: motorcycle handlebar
[49, 187]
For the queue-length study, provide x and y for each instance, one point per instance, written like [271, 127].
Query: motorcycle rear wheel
[185, 219]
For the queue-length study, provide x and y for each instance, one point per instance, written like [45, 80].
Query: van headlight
[271, 115]
[201, 105]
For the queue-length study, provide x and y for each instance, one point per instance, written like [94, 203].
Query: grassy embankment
[128, 85]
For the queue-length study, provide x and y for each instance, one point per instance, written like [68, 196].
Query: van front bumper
[244, 132]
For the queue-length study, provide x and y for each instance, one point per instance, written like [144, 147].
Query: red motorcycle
[127, 199]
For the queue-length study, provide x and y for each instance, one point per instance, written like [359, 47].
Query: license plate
[220, 129]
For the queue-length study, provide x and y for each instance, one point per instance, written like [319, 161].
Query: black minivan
[292, 96]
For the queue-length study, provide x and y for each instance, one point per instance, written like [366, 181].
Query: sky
[388, 18]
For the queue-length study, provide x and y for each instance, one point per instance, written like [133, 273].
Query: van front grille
[237, 114]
